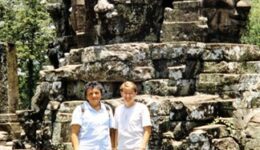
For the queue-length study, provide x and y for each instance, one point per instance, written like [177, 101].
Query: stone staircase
[186, 85]
[10, 128]
[200, 95]
[184, 22]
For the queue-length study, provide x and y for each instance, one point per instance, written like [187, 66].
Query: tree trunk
[30, 78]
[12, 78]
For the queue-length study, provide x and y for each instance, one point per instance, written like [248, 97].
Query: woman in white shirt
[91, 122]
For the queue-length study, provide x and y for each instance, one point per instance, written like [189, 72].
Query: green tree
[27, 24]
[252, 36]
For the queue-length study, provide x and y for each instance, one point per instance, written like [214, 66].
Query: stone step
[183, 11]
[215, 130]
[4, 136]
[249, 67]
[8, 117]
[171, 104]
[231, 52]
[139, 52]
[183, 15]
[165, 87]
[68, 72]
[187, 4]
[221, 82]
[4, 147]
[14, 129]
[73, 57]
[184, 31]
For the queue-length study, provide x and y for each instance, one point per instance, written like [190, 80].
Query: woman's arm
[114, 147]
[74, 136]
[146, 136]
[112, 137]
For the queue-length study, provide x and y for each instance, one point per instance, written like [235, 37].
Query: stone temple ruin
[202, 87]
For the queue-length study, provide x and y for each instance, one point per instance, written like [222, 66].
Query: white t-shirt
[130, 122]
[95, 125]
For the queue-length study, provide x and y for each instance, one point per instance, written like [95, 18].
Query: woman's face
[93, 96]
[128, 95]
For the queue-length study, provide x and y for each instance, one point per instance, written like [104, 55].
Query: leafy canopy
[27, 24]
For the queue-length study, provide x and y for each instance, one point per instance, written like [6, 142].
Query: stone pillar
[13, 94]
[3, 79]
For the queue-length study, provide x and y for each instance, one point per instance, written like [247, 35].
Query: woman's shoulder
[140, 104]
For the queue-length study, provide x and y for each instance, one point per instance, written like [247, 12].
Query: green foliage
[252, 36]
[27, 24]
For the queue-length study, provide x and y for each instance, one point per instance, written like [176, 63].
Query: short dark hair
[93, 84]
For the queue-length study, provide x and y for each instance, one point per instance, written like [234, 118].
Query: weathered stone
[69, 106]
[231, 52]
[161, 67]
[159, 107]
[250, 81]
[199, 139]
[159, 87]
[170, 144]
[181, 31]
[74, 57]
[14, 129]
[227, 27]
[176, 72]
[135, 27]
[187, 4]
[249, 99]
[75, 90]
[4, 147]
[132, 1]
[65, 72]
[256, 118]
[53, 105]
[11, 117]
[61, 132]
[4, 136]
[213, 82]
[252, 67]
[142, 73]
[107, 71]
[197, 107]
[231, 67]
[253, 130]
[225, 143]
[178, 111]
[252, 144]
[215, 130]
[63, 117]
[135, 52]
[244, 3]
[41, 98]
[185, 87]
[168, 50]
[177, 14]
[222, 67]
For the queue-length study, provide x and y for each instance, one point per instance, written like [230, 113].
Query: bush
[252, 35]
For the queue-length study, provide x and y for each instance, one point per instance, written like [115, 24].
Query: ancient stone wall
[200, 95]
[186, 85]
